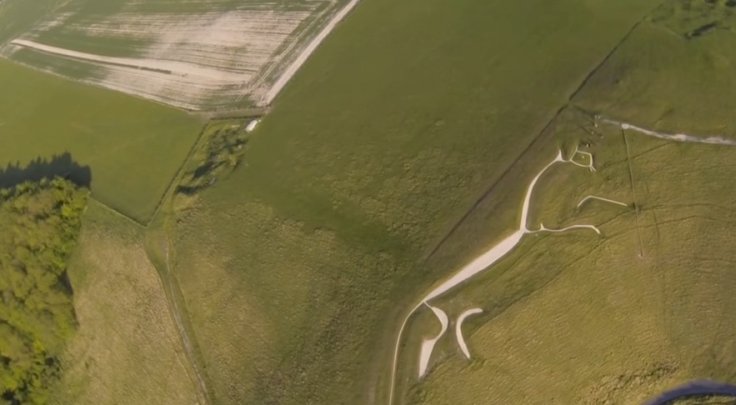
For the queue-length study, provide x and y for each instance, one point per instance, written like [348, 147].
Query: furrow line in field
[305, 54]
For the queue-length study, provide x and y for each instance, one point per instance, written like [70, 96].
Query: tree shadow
[39, 168]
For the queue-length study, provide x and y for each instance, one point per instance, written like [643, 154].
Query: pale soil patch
[196, 61]
[183, 69]
[252, 125]
[126, 349]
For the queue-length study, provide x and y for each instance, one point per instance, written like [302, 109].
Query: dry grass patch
[126, 350]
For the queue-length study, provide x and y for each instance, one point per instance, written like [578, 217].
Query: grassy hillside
[296, 269]
[133, 147]
[668, 79]
[126, 350]
[616, 319]
[619, 318]
[399, 151]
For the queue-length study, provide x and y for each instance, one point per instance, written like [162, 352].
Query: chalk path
[167, 67]
[498, 251]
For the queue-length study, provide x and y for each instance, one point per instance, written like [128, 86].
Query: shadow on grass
[39, 168]
[695, 389]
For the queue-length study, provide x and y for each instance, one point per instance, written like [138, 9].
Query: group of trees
[214, 160]
[39, 225]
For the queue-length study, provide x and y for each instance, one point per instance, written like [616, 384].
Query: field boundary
[493, 186]
[168, 192]
[117, 212]
[179, 314]
[166, 279]
[569, 103]
[172, 305]
[304, 55]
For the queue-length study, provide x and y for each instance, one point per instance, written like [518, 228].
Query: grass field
[618, 319]
[126, 350]
[401, 150]
[310, 251]
[133, 147]
[584, 319]
[19, 16]
[663, 79]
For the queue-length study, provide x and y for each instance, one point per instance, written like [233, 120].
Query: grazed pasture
[384, 140]
[132, 147]
[646, 307]
[665, 79]
[612, 319]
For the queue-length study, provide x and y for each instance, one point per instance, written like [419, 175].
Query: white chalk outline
[459, 330]
[486, 260]
[599, 198]
[428, 344]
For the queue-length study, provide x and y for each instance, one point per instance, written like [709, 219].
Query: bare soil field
[204, 55]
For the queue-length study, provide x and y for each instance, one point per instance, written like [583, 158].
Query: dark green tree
[39, 225]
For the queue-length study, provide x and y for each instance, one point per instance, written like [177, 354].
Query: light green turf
[297, 268]
[133, 147]
[126, 349]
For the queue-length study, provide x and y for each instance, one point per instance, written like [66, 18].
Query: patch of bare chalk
[679, 137]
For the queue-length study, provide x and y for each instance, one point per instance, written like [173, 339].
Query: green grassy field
[126, 350]
[662, 79]
[19, 16]
[578, 318]
[399, 151]
[133, 147]
[297, 269]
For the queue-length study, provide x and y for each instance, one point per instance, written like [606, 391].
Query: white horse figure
[484, 262]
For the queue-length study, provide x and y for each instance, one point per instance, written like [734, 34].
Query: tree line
[39, 226]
